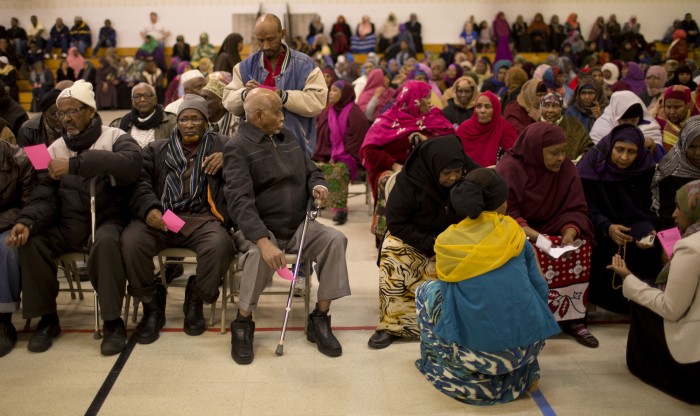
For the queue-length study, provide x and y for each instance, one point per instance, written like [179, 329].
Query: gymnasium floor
[183, 375]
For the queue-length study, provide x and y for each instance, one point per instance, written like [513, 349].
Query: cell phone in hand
[648, 240]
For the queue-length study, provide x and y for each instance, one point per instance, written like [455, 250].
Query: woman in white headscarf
[627, 108]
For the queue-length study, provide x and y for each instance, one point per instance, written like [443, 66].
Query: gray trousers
[324, 245]
[211, 242]
[105, 267]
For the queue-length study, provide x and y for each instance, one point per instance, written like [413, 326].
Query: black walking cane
[311, 213]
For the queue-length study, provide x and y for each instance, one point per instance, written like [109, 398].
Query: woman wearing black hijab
[416, 214]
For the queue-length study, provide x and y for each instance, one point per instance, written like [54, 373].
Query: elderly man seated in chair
[56, 220]
[269, 181]
[183, 175]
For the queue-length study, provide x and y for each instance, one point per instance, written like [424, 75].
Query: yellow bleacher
[25, 94]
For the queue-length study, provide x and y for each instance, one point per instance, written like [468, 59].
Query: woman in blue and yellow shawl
[484, 322]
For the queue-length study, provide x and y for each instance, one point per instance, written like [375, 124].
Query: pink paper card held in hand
[39, 156]
[668, 239]
[285, 274]
[173, 222]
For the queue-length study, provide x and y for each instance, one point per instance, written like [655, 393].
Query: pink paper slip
[267, 87]
[39, 156]
[285, 274]
[173, 222]
[668, 239]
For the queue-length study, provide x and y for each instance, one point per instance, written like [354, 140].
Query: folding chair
[231, 287]
[361, 178]
[171, 255]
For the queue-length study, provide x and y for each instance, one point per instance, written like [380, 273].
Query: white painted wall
[442, 19]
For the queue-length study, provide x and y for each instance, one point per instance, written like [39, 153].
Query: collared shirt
[270, 80]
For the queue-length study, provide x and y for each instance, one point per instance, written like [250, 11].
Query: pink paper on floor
[39, 156]
[668, 239]
[173, 222]
[285, 274]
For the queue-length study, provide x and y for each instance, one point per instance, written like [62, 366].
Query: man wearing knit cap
[182, 174]
[147, 120]
[292, 75]
[269, 181]
[57, 218]
[192, 83]
[220, 120]
[44, 127]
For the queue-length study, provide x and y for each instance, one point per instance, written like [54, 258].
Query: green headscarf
[149, 45]
[688, 197]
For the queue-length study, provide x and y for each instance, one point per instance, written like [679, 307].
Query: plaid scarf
[176, 163]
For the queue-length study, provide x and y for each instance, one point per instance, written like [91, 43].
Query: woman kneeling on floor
[416, 214]
[484, 322]
[663, 347]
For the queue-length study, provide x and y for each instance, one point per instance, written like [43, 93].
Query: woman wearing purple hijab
[340, 130]
[616, 176]
[635, 78]
[501, 30]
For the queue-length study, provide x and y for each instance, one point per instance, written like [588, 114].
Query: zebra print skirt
[402, 269]
[467, 375]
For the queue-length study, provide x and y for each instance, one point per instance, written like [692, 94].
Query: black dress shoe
[381, 339]
[242, 334]
[340, 217]
[319, 331]
[194, 311]
[114, 339]
[42, 339]
[8, 338]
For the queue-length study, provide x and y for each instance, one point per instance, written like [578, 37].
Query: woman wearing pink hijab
[486, 131]
[376, 95]
[75, 60]
[391, 137]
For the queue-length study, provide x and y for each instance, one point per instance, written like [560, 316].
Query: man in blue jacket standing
[291, 74]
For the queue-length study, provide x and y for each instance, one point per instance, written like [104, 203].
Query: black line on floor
[102, 394]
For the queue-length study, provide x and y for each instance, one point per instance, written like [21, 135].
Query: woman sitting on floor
[662, 347]
[416, 214]
[546, 199]
[587, 103]
[616, 177]
[486, 134]
[391, 138]
[483, 323]
[680, 166]
[340, 130]
[525, 110]
[626, 108]
[577, 139]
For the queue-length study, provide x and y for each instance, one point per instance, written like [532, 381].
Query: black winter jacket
[151, 184]
[66, 202]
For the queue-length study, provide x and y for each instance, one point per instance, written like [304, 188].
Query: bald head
[263, 109]
[268, 34]
[271, 19]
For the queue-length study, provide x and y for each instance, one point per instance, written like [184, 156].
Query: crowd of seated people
[588, 149]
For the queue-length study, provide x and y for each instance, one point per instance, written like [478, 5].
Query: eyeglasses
[194, 121]
[138, 97]
[70, 113]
